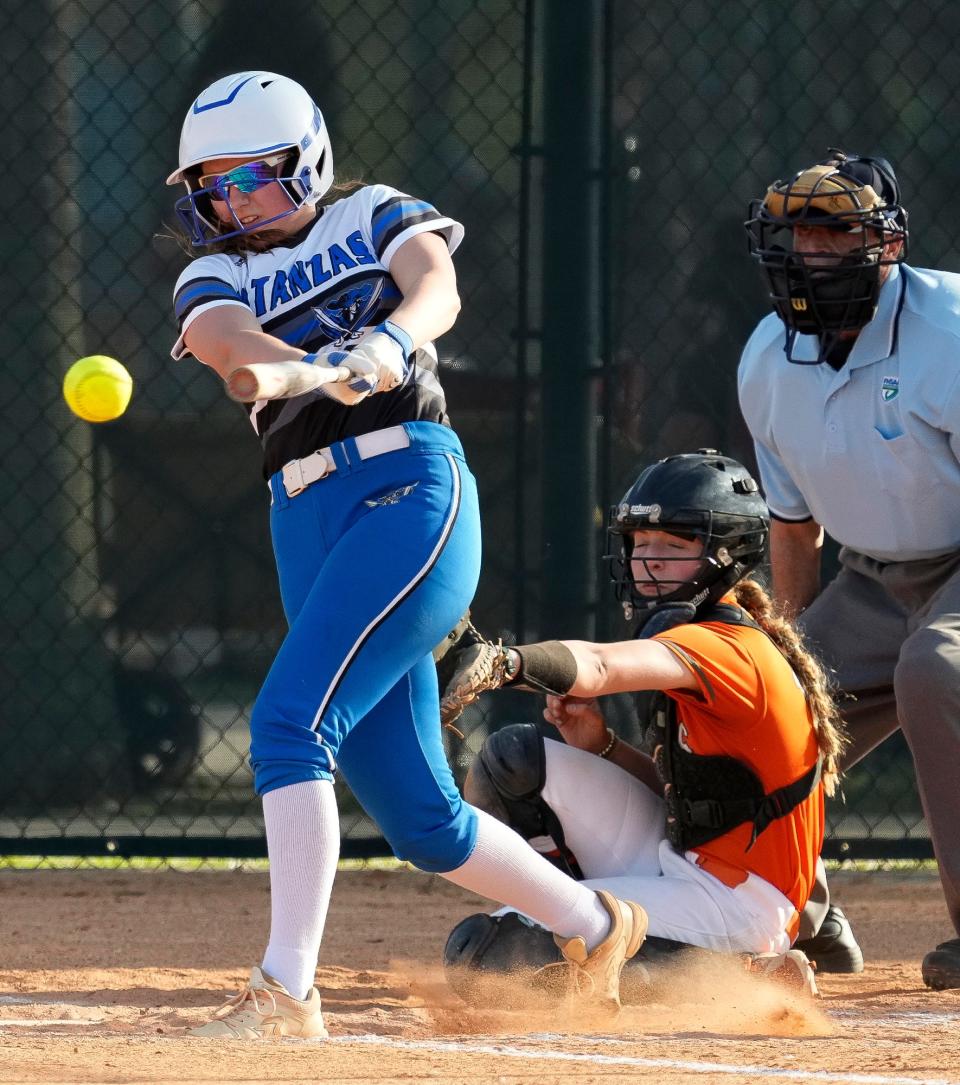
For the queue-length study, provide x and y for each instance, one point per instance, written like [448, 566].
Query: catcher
[717, 834]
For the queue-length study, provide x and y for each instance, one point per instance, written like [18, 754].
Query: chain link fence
[602, 148]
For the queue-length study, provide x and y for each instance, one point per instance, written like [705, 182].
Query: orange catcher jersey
[750, 705]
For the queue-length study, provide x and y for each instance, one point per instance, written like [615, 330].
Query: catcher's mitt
[468, 666]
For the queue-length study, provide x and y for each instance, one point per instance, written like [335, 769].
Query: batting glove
[378, 362]
[387, 348]
[359, 386]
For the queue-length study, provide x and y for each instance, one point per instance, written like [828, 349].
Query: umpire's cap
[843, 191]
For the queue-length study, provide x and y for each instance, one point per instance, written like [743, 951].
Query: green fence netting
[600, 155]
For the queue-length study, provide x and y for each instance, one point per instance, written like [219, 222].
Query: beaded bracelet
[608, 749]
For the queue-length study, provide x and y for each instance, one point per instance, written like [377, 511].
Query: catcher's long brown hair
[831, 736]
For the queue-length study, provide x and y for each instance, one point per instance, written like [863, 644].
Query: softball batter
[375, 529]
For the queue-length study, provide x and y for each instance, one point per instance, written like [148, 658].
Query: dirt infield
[102, 971]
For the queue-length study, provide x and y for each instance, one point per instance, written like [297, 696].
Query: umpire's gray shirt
[872, 451]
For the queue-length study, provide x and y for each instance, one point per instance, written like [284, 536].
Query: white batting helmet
[258, 113]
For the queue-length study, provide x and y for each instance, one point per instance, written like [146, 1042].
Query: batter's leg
[394, 762]
[393, 583]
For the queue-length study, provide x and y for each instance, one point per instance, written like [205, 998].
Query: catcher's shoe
[792, 969]
[596, 976]
[265, 1010]
[834, 947]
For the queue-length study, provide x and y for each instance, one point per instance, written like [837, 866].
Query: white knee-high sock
[505, 868]
[303, 843]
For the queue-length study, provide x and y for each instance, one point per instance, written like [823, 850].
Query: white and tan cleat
[596, 975]
[265, 1010]
[791, 969]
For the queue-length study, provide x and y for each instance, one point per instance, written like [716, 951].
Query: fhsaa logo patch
[392, 498]
[890, 388]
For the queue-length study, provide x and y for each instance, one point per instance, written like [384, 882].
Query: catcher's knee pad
[506, 779]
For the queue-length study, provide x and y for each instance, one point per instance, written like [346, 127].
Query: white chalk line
[507, 1050]
[20, 1022]
[904, 1018]
[510, 1052]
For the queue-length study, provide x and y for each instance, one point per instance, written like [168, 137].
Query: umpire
[851, 392]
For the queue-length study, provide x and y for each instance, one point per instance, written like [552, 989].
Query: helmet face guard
[831, 293]
[205, 227]
[703, 496]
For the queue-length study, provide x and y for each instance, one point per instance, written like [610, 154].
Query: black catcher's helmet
[822, 293]
[698, 495]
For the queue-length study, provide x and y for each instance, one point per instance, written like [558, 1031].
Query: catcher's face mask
[662, 562]
[670, 564]
[823, 241]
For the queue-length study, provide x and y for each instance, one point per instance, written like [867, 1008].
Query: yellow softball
[97, 388]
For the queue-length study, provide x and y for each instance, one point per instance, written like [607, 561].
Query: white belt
[299, 474]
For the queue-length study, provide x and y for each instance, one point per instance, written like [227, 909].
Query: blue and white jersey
[327, 284]
[870, 451]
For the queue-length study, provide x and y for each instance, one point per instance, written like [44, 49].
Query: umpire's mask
[826, 281]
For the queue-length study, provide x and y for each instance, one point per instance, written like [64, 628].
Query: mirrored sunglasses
[249, 177]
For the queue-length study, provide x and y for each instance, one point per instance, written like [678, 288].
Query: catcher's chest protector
[708, 795]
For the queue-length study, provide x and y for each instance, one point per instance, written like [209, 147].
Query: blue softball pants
[377, 562]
